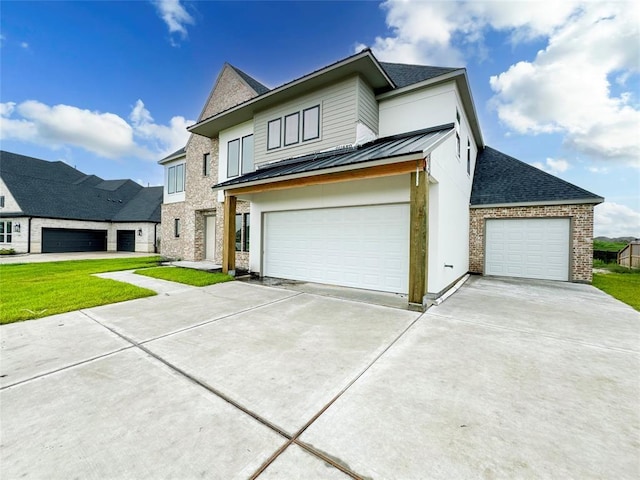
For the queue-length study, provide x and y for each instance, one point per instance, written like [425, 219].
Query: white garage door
[528, 247]
[362, 247]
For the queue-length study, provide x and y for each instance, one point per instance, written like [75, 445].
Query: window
[273, 133]
[458, 145]
[175, 179]
[311, 123]
[176, 227]
[468, 157]
[242, 232]
[5, 232]
[1, 201]
[291, 129]
[247, 154]
[233, 158]
[240, 156]
[206, 164]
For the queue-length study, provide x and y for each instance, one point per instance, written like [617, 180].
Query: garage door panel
[363, 247]
[531, 248]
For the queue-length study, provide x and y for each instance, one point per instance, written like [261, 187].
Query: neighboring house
[50, 207]
[370, 175]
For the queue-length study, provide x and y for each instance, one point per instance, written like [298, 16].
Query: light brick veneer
[200, 200]
[581, 233]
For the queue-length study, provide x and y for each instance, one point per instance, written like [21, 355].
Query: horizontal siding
[338, 105]
[367, 106]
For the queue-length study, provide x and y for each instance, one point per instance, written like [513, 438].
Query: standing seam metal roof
[387, 147]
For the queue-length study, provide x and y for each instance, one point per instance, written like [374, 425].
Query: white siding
[367, 106]
[337, 121]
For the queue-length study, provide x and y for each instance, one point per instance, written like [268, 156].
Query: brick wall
[200, 200]
[581, 233]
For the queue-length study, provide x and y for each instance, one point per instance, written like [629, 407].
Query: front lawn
[197, 278]
[623, 286]
[34, 290]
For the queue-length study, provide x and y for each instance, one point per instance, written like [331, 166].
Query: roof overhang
[363, 63]
[462, 83]
[171, 158]
[579, 201]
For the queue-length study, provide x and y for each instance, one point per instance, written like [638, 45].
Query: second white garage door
[528, 247]
[363, 247]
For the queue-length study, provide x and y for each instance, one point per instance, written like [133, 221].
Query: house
[50, 207]
[370, 175]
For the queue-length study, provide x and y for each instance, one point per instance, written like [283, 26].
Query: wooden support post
[418, 235]
[229, 236]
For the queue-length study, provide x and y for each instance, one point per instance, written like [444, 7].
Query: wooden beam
[419, 232]
[319, 179]
[229, 235]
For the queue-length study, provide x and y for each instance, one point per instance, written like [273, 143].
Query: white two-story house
[361, 174]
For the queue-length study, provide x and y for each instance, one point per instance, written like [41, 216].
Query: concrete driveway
[506, 379]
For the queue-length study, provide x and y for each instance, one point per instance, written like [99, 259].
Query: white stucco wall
[10, 204]
[448, 217]
[361, 192]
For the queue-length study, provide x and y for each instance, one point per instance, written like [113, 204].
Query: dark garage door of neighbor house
[126, 240]
[58, 240]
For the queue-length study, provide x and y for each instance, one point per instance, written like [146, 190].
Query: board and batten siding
[367, 107]
[339, 111]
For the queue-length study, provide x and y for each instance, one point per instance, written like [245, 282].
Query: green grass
[624, 286]
[197, 278]
[34, 290]
[608, 246]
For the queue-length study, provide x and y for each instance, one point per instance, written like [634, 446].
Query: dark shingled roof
[56, 190]
[382, 148]
[252, 82]
[500, 179]
[404, 75]
[180, 151]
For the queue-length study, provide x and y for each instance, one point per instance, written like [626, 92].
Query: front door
[210, 237]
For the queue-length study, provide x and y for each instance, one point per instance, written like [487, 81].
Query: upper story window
[1, 201]
[6, 232]
[175, 179]
[206, 164]
[299, 125]
[240, 156]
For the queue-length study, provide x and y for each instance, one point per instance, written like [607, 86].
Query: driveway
[505, 379]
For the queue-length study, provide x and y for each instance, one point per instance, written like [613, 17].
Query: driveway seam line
[294, 438]
[207, 322]
[66, 367]
[537, 333]
[195, 380]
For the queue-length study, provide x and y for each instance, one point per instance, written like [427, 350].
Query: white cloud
[615, 220]
[565, 89]
[175, 16]
[554, 167]
[24, 45]
[105, 134]
[602, 170]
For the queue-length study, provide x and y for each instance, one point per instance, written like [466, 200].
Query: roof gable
[55, 190]
[252, 82]
[404, 75]
[500, 179]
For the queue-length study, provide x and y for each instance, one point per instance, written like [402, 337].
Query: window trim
[279, 121]
[297, 129]
[303, 122]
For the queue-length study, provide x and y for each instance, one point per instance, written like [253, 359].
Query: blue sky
[109, 87]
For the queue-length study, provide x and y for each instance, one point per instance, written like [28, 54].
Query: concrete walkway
[506, 379]
[61, 257]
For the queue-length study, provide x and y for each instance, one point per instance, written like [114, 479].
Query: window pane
[247, 224]
[233, 158]
[247, 154]
[176, 227]
[172, 180]
[311, 123]
[206, 167]
[273, 134]
[1, 227]
[180, 178]
[238, 232]
[8, 227]
[291, 129]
